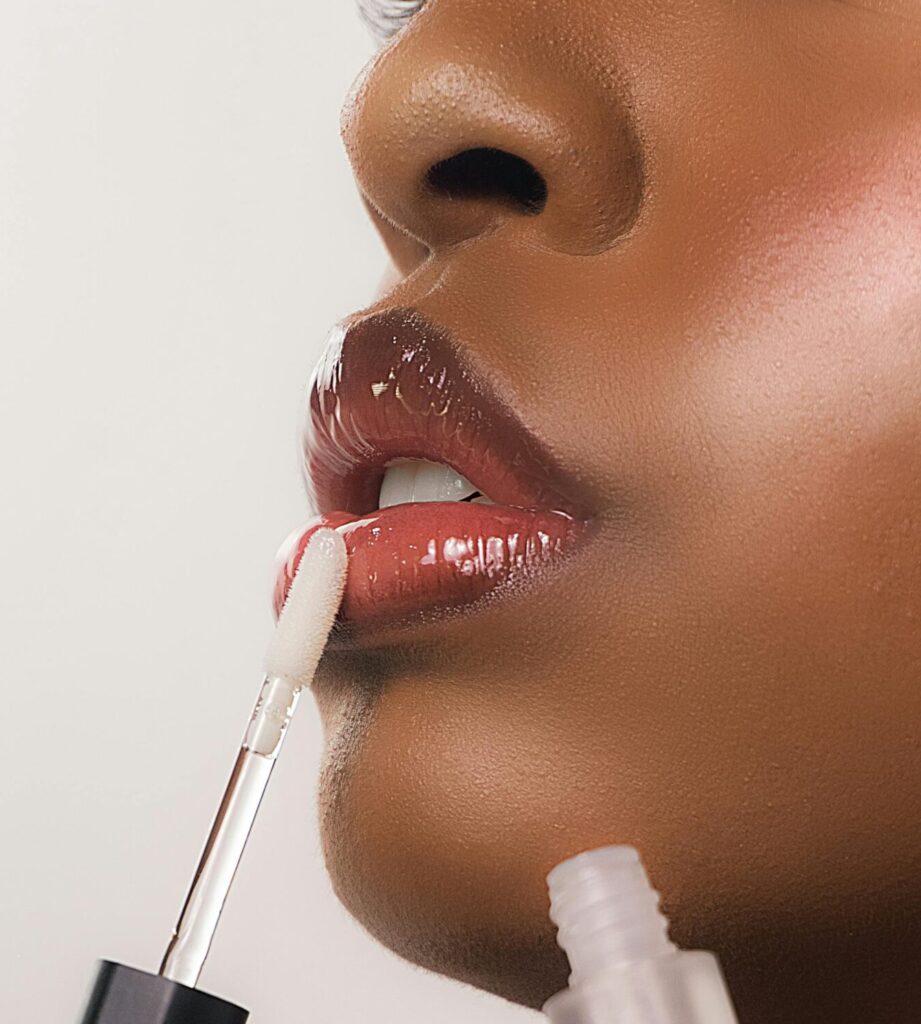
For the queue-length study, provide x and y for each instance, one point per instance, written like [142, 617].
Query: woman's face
[703, 298]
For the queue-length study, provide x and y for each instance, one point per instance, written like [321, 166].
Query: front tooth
[437, 482]
[418, 480]
[397, 485]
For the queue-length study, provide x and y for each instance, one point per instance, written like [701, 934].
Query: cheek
[807, 411]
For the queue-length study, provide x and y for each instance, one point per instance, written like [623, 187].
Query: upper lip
[393, 384]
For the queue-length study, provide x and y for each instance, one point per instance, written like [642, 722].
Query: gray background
[178, 229]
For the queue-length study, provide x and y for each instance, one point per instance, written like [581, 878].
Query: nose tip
[455, 129]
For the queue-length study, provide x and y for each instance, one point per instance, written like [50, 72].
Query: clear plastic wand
[294, 653]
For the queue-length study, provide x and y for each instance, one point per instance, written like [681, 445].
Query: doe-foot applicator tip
[309, 610]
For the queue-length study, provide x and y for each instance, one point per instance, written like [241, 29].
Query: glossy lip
[395, 385]
[392, 385]
[428, 556]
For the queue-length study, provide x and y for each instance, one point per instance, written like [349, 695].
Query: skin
[715, 321]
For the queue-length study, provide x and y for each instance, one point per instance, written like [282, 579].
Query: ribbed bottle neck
[606, 911]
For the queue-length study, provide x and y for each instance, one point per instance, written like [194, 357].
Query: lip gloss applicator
[125, 995]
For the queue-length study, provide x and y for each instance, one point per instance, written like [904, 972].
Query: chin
[467, 903]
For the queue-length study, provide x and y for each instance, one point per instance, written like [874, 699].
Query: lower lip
[426, 555]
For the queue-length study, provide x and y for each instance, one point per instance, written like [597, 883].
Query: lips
[392, 387]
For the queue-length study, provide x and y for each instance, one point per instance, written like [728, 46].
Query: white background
[179, 227]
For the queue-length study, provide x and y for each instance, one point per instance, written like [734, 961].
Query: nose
[467, 122]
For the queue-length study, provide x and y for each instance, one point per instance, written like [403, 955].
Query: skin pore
[714, 322]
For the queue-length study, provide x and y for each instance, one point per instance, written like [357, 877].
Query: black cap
[124, 995]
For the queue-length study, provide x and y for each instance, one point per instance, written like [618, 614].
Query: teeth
[418, 480]
[397, 485]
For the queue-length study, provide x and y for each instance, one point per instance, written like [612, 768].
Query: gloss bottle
[624, 968]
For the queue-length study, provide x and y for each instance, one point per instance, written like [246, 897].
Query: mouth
[441, 493]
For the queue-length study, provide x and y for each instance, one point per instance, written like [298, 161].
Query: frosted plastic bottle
[625, 970]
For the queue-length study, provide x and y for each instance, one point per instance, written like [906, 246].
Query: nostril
[487, 173]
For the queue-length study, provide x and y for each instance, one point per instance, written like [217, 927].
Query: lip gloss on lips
[392, 388]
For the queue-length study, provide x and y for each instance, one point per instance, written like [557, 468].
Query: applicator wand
[124, 995]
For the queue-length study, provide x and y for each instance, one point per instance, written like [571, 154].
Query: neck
[864, 973]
